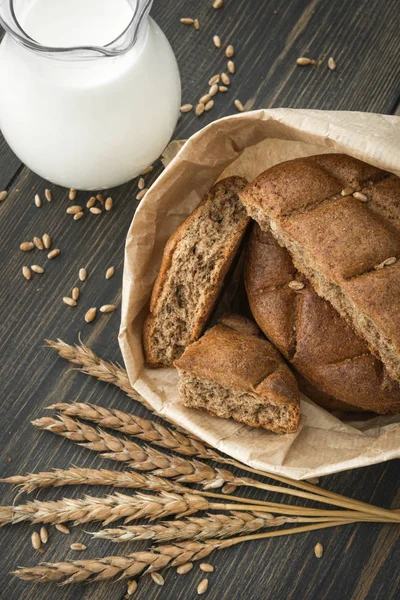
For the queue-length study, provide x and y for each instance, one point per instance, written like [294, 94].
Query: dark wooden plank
[359, 561]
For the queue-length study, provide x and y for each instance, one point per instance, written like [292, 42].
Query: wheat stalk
[88, 362]
[140, 563]
[183, 469]
[146, 430]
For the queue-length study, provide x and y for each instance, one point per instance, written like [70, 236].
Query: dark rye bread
[195, 261]
[312, 335]
[347, 246]
[231, 372]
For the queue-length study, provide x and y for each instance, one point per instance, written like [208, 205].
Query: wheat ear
[140, 563]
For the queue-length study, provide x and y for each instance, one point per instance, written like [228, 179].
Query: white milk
[87, 123]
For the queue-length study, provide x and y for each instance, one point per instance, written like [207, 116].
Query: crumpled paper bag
[247, 144]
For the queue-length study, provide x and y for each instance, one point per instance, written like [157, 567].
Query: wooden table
[360, 561]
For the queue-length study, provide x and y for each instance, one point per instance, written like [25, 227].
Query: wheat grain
[74, 209]
[35, 539]
[69, 301]
[132, 587]
[62, 528]
[187, 21]
[46, 239]
[231, 66]
[26, 272]
[209, 105]
[72, 194]
[38, 201]
[91, 202]
[185, 568]
[238, 105]
[110, 272]
[214, 79]
[82, 274]
[302, 61]
[199, 109]
[157, 578]
[38, 242]
[108, 308]
[229, 52]
[100, 198]
[225, 79]
[75, 293]
[318, 550]
[37, 269]
[3, 195]
[202, 587]
[206, 567]
[213, 90]
[78, 215]
[44, 535]
[26, 246]
[54, 253]
[217, 41]
[218, 4]
[48, 195]
[78, 547]
[222, 88]
[141, 183]
[95, 210]
[196, 24]
[331, 63]
[141, 194]
[108, 204]
[186, 108]
[90, 315]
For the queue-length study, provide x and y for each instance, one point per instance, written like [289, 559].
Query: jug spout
[122, 35]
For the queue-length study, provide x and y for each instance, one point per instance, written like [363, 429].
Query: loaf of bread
[340, 220]
[312, 335]
[196, 259]
[231, 372]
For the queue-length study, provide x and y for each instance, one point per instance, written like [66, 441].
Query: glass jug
[90, 89]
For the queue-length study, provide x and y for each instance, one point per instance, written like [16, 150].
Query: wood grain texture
[359, 562]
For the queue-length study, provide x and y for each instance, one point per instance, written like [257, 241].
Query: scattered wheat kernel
[90, 315]
[347, 191]
[223, 88]
[72, 194]
[95, 210]
[204, 99]
[77, 546]
[217, 41]
[47, 195]
[228, 488]
[318, 550]
[231, 66]
[91, 202]
[225, 79]
[213, 89]
[100, 198]
[110, 272]
[360, 196]
[313, 480]
[331, 64]
[75, 208]
[157, 578]
[44, 536]
[82, 274]
[38, 243]
[141, 194]
[206, 567]
[37, 269]
[147, 170]
[62, 528]
[238, 105]
[78, 215]
[202, 587]
[229, 52]
[186, 108]
[69, 301]
[218, 3]
[26, 272]
[38, 201]
[209, 105]
[26, 246]
[141, 183]
[3, 195]
[199, 109]
[46, 239]
[108, 203]
[196, 24]
[54, 253]
[390, 261]
[75, 293]
[35, 539]
[187, 21]
[108, 308]
[214, 79]
[302, 61]
[132, 587]
[296, 285]
[185, 568]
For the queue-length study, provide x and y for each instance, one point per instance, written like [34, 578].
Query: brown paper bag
[246, 145]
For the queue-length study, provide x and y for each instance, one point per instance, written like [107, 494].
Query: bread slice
[195, 261]
[231, 372]
[310, 333]
[347, 245]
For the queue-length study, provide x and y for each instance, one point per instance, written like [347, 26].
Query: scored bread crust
[338, 240]
[312, 335]
[166, 288]
[233, 356]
